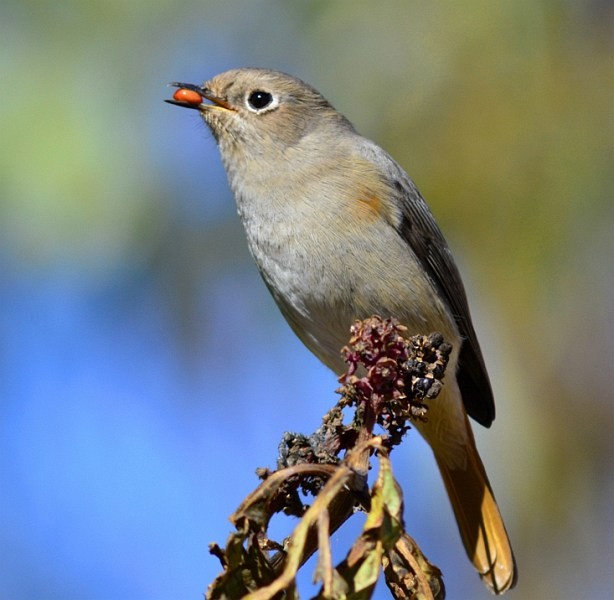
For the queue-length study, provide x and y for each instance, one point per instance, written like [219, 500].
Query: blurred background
[145, 372]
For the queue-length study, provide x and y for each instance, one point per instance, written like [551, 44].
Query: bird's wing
[419, 229]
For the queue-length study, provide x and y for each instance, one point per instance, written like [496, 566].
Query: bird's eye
[259, 99]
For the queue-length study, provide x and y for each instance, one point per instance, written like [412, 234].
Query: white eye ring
[261, 101]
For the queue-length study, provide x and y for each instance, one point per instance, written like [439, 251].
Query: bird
[340, 232]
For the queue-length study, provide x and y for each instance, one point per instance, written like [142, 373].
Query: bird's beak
[203, 92]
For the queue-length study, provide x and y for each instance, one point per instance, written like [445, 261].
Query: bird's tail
[479, 520]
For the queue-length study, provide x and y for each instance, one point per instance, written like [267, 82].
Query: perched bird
[340, 232]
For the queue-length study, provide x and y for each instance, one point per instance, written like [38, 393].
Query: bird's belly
[322, 286]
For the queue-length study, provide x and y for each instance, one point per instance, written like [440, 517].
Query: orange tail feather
[479, 521]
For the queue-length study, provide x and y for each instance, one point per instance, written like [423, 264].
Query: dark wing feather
[419, 229]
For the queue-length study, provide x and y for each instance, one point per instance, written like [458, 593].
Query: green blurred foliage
[502, 112]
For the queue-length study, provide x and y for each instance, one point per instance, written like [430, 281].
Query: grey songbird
[340, 232]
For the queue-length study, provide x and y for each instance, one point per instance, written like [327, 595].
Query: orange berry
[188, 96]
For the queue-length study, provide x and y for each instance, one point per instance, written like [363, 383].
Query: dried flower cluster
[390, 375]
[388, 378]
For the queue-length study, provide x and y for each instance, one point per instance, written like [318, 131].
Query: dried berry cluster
[388, 378]
[391, 375]
[300, 449]
[322, 447]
